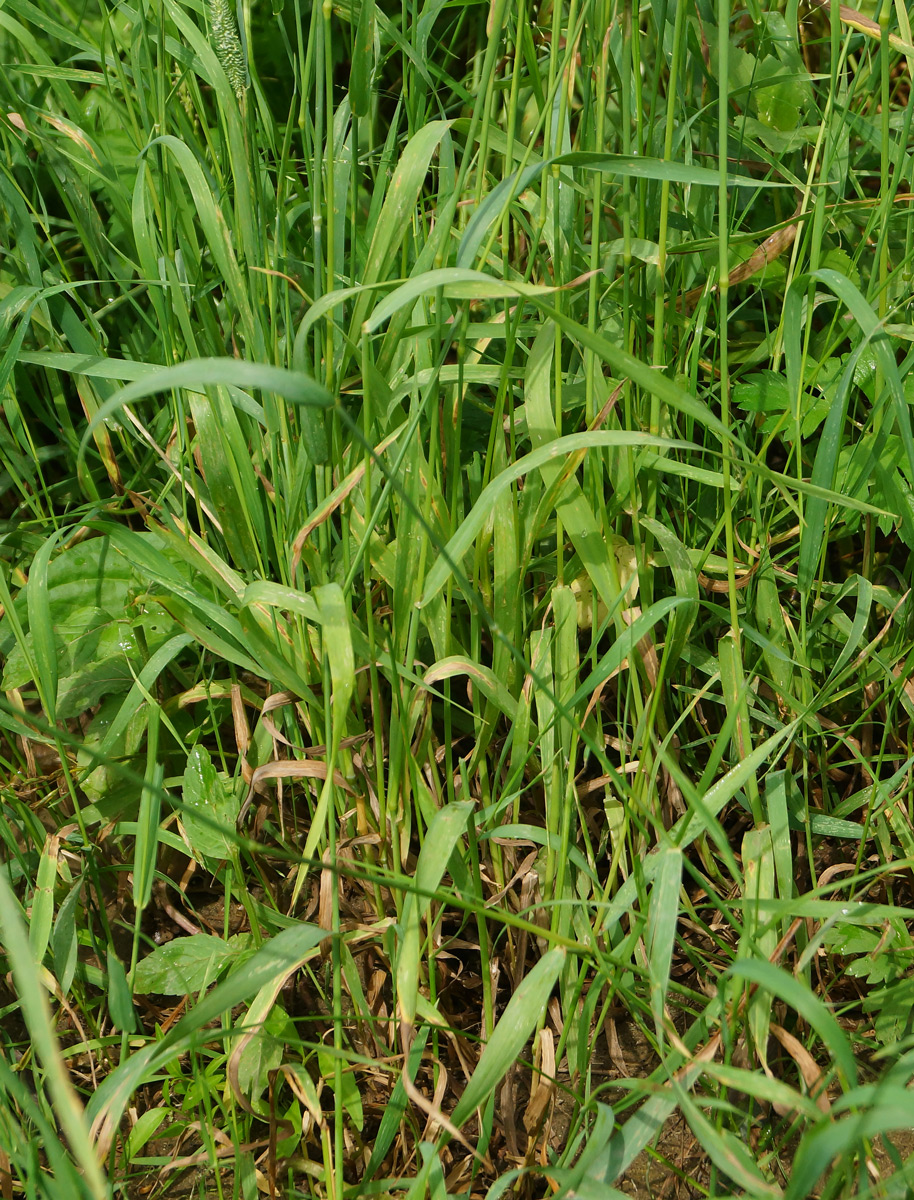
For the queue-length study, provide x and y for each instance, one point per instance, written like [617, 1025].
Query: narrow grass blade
[779, 826]
[480, 676]
[625, 645]
[570, 1179]
[496, 202]
[64, 944]
[146, 846]
[831, 438]
[686, 583]
[759, 937]
[282, 954]
[199, 374]
[694, 824]
[337, 641]
[571, 505]
[662, 916]
[809, 1006]
[832, 1141]
[408, 178]
[463, 539]
[42, 914]
[41, 627]
[727, 1152]
[363, 59]
[440, 840]
[36, 1011]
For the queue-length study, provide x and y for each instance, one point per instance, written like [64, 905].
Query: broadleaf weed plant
[456, 632]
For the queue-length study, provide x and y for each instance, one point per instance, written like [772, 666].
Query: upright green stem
[723, 244]
[660, 296]
[329, 192]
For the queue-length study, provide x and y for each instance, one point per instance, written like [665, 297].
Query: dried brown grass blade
[544, 1087]
[335, 499]
[407, 1034]
[289, 769]
[809, 1068]
[766, 252]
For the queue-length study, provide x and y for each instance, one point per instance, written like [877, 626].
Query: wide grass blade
[440, 842]
[511, 1033]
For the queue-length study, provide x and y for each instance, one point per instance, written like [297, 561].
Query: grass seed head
[227, 44]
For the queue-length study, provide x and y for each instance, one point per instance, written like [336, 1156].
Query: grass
[457, 519]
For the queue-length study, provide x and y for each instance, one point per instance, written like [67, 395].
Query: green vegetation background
[455, 550]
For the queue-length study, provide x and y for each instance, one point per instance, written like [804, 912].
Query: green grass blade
[510, 1034]
[68, 1108]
